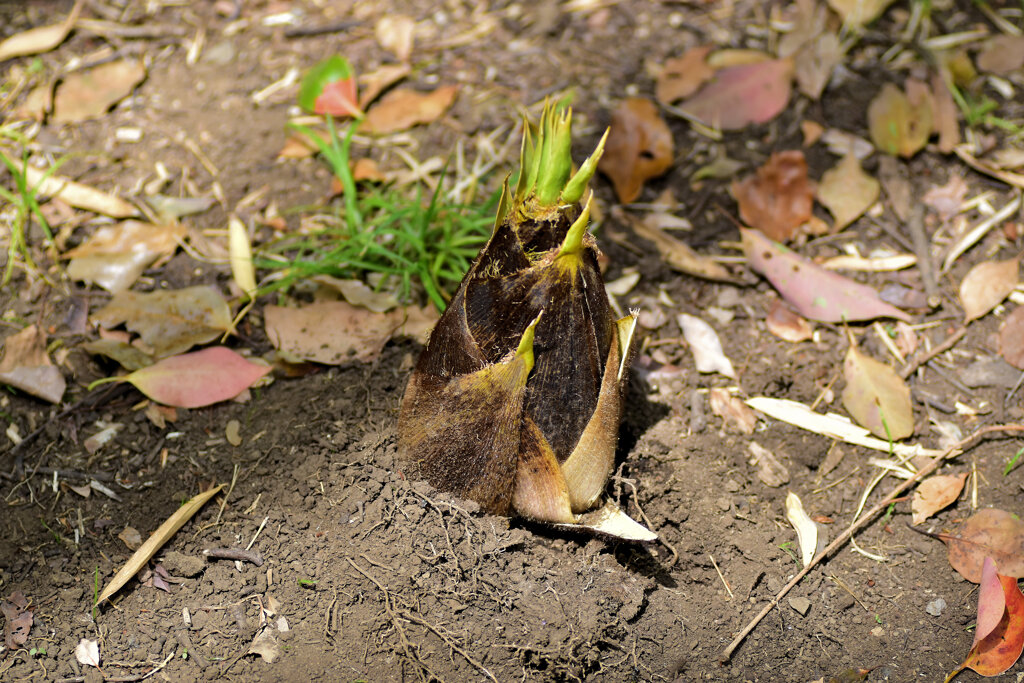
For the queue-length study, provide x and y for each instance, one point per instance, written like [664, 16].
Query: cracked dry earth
[369, 576]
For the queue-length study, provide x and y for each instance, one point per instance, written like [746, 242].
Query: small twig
[950, 452]
[917, 361]
[240, 554]
[922, 251]
[724, 582]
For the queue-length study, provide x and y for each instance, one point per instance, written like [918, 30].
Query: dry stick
[924, 256]
[948, 343]
[858, 524]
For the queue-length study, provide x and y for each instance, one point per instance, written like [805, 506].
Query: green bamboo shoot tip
[577, 185]
[557, 164]
[525, 350]
[526, 155]
[573, 242]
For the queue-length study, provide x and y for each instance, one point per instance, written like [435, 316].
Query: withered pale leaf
[403, 108]
[116, 255]
[847, 191]
[876, 397]
[169, 321]
[77, 194]
[787, 325]
[705, 346]
[733, 411]
[330, 332]
[806, 529]
[681, 76]
[986, 285]
[89, 94]
[935, 493]
[859, 12]
[815, 62]
[394, 32]
[26, 366]
[770, 469]
[39, 39]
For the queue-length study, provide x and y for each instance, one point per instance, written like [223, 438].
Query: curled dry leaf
[394, 33]
[87, 652]
[806, 529]
[639, 147]
[770, 469]
[169, 321]
[900, 123]
[987, 533]
[197, 379]
[240, 257]
[847, 191]
[89, 94]
[859, 12]
[17, 620]
[705, 346]
[76, 194]
[815, 62]
[733, 411]
[999, 634]
[129, 357]
[374, 83]
[778, 198]
[814, 292]
[116, 255]
[787, 325]
[26, 366]
[404, 108]
[1002, 55]
[986, 285]
[330, 332]
[935, 493]
[681, 76]
[738, 96]
[41, 38]
[876, 397]
[1011, 338]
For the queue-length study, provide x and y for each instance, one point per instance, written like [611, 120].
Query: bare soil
[383, 579]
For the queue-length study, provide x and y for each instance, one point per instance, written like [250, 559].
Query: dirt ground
[374, 577]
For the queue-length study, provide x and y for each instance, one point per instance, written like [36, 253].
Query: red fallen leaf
[778, 199]
[814, 292]
[999, 636]
[787, 325]
[338, 99]
[197, 379]
[741, 95]
[639, 147]
[987, 533]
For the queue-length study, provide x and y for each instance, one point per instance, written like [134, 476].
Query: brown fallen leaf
[374, 83]
[40, 39]
[787, 325]
[89, 94]
[987, 533]
[26, 366]
[815, 63]
[847, 191]
[404, 108]
[117, 254]
[733, 411]
[1011, 338]
[876, 397]
[394, 32]
[770, 469]
[999, 635]
[17, 620]
[946, 199]
[900, 123]
[935, 493]
[676, 253]
[681, 76]
[639, 147]
[1002, 55]
[986, 285]
[945, 113]
[169, 321]
[330, 332]
[778, 198]
[859, 12]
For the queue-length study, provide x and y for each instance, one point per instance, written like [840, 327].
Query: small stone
[935, 607]
[801, 605]
[732, 486]
[878, 632]
[179, 564]
[724, 503]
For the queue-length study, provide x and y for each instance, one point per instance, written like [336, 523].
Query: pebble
[801, 605]
[935, 607]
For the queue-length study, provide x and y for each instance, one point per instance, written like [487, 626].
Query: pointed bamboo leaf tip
[525, 350]
[573, 242]
[625, 328]
[577, 185]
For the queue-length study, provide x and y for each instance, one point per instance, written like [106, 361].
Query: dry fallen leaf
[815, 62]
[770, 469]
[156, 540]
[999, 634]
[18, 620]
[814, 292]
[197, 379]
[987, 533]
[1011, 338]
[859, 12]
[41, 38]
[900, 123]
[89, 94]
[404, 108]
[778, 199]
[705, 346]
[330, 332]
[946, 114]
[1002, 55]
[935, 493]
[681, 76]
[77, 194]
[740, 95]
[676, 253]
[876, 397]
[87, 652]
[733, 411]
[116, 255]
[986, 285]
[806, 529]
[847, 191]
[169, 321]
[787, 325]
[394, 33]
[639, 147]
[26, 366]
[946, 199]
[374, 83]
